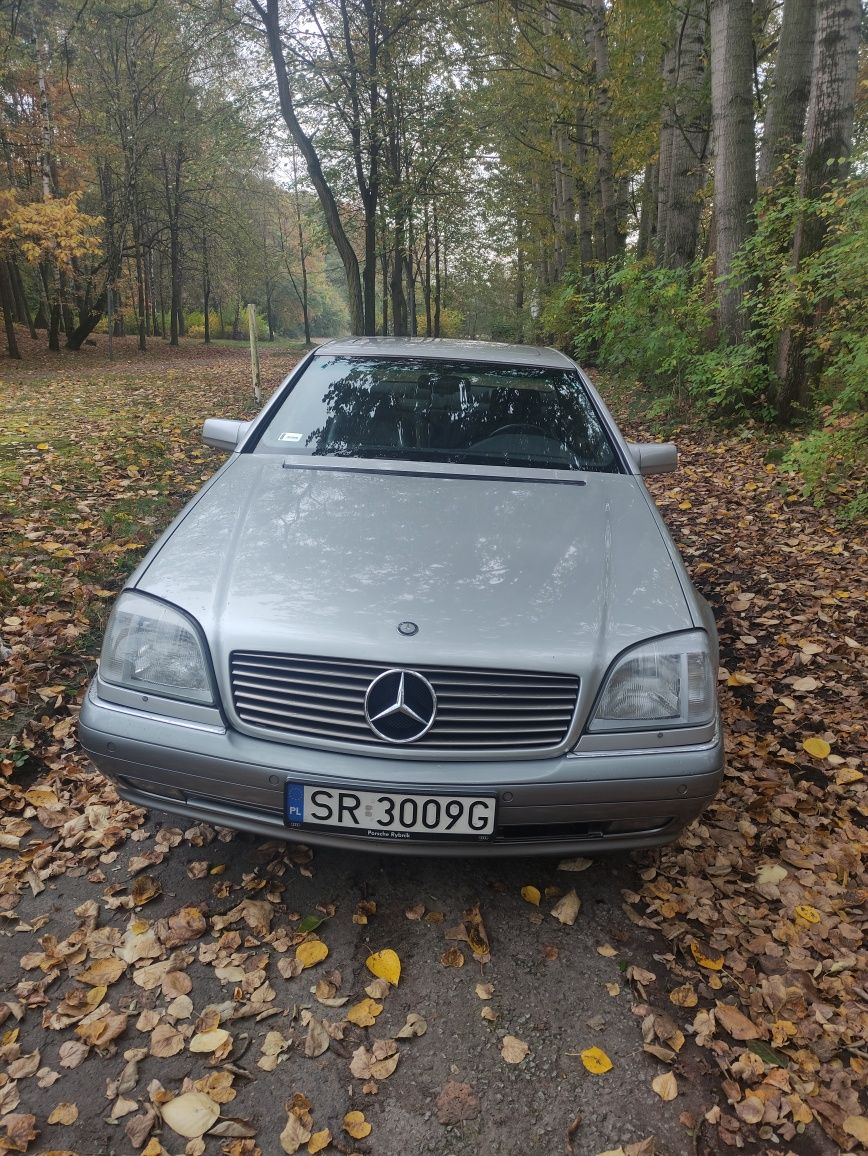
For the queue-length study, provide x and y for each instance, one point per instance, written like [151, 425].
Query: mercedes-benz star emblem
[400, 706]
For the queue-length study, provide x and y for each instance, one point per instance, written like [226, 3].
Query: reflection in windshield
[426, 410]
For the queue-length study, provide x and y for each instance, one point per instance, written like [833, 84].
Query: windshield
[428, 410]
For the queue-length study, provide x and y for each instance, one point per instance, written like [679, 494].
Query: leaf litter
[759, 901]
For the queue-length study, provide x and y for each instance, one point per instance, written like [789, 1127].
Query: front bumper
[566, 805]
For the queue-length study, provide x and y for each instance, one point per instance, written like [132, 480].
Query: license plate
[387, 815]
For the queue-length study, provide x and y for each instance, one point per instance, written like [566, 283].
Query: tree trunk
[54, 328]
[586, 221]
[206, 288]
[384, 273]
[399, 300]
[648, 211]
[438, 287]
[426, 280]
[22, 308]
[689, 138]
[734, 174]
[8, 305]
[519, 269]
[412, 324]
[302, 253]
[270, 16]
[87, 324]
[613, 238]
[175, 281]
[141, 311]
[791, 85]
[667, 131]
[828, 140]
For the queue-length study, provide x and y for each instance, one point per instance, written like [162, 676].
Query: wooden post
[254, 355]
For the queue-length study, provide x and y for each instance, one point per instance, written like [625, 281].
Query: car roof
[447, 349]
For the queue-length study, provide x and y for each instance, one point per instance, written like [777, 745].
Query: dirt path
[730, 962]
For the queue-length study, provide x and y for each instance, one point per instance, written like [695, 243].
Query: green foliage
[451, 322]
[833, 462]
[196, 323]
[655, 325]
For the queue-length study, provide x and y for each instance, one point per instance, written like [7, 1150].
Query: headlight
[669, 682]
[150, 646]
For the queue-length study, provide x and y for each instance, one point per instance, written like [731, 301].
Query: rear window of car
[427, 410]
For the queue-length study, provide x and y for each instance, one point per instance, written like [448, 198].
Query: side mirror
[654, 457]
[223, 434]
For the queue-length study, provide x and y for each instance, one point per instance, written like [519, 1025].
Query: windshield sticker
[290, 437]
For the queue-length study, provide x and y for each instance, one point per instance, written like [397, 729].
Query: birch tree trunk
[733, 125]
[828, 140]
[791, 86]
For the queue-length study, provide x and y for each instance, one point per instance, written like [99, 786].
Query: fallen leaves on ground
[754, 913]
[665, 1085]
[567, 908]
[311, 952]
[513, 1050]
[191, 1114]
[595, 1061]
[356, 1125]
[386, 965]
[761, 899]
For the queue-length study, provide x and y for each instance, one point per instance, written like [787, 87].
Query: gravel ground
[549, 991]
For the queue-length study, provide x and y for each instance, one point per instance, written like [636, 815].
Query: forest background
[672, 191]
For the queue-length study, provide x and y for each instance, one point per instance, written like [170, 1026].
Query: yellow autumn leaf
[209, 1041]
[665, 1085]
[704, 960]
[385, 965]
[808, 913]
[311, 952]
[364, 1012]
[816, 747]
[531, 895]
[596, 1061]
[190, 1114]
[64, 1114]
[356, 1124]
[684, 996]
[41, 797]
[102, 971]
[318, 1141]
[846, 775]
[857, 1126]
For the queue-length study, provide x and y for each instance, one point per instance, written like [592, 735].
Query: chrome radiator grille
[477, 710]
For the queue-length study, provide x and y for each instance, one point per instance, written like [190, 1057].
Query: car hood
[496, 571]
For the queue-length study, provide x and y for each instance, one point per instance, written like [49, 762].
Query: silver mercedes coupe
[427, 605]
